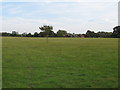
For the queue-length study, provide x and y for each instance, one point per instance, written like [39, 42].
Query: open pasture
[60, 63]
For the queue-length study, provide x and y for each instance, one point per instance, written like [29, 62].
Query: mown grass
[60, 63]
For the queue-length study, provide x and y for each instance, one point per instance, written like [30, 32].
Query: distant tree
[104, 34]
[46, 29]
[42, 34]
[73, 35]
[116, 32]
[82, 35]
[69, 35]
[109, 34]
[52, 34]
[14, 33]
[91, 34]
[5, 34]
[29, 35]
[36, 34]
[24, 34]
[61, 33]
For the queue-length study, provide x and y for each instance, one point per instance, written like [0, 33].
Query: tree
[14, 33]
[52, 34]
[61, 33]
[91, 34]
[29, 35]
[5, 34]
[42, 34]
[69, 35]
[46, 29]
[116, 32]
[36, 34]
[24, 34]
[104, 34]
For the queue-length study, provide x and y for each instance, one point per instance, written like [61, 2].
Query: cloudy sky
[75, 16]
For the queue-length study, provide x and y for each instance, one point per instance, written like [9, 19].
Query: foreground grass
[60, 63]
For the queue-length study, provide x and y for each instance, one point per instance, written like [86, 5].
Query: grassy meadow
[60, 63]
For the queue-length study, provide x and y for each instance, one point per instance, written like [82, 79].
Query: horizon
[53, 31]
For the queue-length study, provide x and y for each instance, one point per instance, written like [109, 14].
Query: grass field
[60, 63]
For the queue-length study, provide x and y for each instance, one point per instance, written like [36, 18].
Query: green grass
[60, 63]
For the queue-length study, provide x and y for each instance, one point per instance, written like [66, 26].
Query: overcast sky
[75, 16]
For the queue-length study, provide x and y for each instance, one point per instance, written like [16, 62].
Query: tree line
[47, 31]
